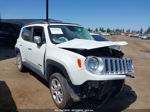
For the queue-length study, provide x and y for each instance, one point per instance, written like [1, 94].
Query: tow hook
[131, 76]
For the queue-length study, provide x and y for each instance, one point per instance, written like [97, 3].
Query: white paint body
[66, 58]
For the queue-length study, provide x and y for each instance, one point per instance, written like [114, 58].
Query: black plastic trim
[71, 87]
[17, 50]
[58, 65]
[34, 69]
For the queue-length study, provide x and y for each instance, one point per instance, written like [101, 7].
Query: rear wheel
[20, 66]
[59, 91]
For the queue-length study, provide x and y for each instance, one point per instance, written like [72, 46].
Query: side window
[27, 34]
[39, 31]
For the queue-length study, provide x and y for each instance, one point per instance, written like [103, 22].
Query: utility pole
[47, 7]
[0, 21]
[0, 18]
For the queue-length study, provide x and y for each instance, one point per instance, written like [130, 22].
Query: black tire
[19, 64]
[66, 100]
[119, 85]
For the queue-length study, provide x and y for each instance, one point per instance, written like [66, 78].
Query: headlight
[94, 65]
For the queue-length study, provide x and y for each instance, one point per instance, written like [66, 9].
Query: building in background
[10, 29]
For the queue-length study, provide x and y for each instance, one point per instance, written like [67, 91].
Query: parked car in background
[105, 34]
[148, 36]
[144, 36]
[136, 35]
[98, 37]
[9, 34]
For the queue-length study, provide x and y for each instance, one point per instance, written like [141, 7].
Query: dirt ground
[28, 91]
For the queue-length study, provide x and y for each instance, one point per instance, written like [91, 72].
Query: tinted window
[99, 38]
[27, 34]
[39, 31]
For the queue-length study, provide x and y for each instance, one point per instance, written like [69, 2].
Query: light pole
[47, 7]
[0, 18]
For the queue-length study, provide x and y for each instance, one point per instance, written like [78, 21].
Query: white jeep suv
[75, 65]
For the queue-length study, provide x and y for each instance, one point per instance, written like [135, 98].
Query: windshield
[99, 38]
[64, 33]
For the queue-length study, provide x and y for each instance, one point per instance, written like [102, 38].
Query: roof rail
[37, 22]
[34, 21]
[45, 22]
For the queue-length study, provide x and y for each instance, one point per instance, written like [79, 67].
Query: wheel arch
[17, 50]
[53, 67]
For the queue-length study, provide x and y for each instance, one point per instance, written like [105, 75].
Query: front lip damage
[88, 44]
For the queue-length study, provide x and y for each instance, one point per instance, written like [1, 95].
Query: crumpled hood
[89, 44]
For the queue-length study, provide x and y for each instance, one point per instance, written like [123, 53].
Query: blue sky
[134, 14]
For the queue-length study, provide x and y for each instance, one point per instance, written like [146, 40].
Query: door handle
[29, 48]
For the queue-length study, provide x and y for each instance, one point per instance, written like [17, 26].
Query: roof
[23, 22]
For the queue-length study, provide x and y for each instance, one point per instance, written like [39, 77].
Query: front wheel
[59, 91]
[119, 85]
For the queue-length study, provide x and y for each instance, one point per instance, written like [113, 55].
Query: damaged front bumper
[98, 89]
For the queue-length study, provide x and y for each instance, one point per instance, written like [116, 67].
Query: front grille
[117, 66]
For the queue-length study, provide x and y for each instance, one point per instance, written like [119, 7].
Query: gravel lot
[28, 91]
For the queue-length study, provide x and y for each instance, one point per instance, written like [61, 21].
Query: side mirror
[37, 40]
